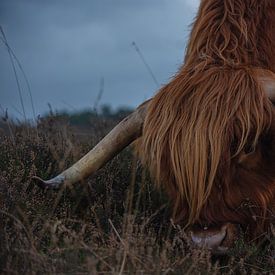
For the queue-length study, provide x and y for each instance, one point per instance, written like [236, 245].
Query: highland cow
[208, 136]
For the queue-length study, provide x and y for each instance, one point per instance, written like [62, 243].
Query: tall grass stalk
[13, 58]
[140, 54]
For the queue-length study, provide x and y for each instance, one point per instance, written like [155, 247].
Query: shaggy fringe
[214, 108]
[192, 124]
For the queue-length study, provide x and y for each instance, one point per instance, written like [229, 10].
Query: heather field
[112, 223]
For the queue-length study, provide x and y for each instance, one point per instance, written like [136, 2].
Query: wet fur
[208, 137]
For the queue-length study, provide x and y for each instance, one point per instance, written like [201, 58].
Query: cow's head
[223, 215]
[246, 201]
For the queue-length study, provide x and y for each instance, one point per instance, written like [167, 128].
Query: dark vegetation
[112, 223]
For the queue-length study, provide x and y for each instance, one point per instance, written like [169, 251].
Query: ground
[112, 223]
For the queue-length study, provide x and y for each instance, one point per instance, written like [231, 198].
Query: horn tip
[54, 183]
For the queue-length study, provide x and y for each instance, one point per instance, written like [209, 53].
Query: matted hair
[213, 109]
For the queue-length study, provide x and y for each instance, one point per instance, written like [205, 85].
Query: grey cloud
[66, 47]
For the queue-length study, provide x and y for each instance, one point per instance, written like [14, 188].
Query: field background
[112, 223]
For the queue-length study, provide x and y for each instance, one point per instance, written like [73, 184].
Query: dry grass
[113, 223]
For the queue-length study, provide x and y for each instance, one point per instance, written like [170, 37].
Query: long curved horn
[128, 130]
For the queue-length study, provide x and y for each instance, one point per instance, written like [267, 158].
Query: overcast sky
[67, 47]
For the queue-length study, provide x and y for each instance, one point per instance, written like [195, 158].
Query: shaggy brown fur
[208, 136]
